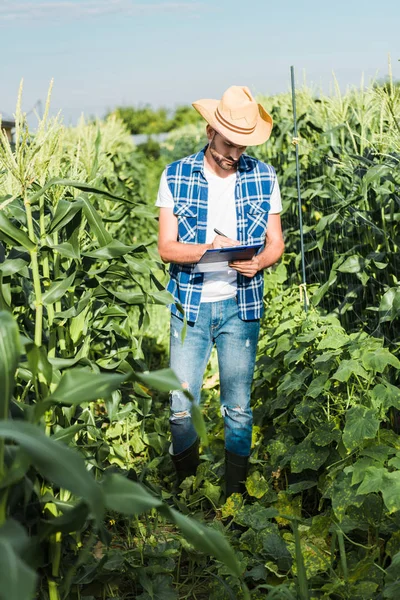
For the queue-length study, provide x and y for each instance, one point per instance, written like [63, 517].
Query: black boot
[186, 462]
[235, 473]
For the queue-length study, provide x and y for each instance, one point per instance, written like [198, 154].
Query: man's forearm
[177, 252]
[271, 253]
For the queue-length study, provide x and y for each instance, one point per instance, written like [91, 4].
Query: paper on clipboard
[211, 267]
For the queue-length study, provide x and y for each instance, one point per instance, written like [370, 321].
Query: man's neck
[215, 168]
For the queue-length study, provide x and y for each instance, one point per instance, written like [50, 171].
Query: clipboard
[217, 259]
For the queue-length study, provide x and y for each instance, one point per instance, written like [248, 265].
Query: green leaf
[56, 462]
[306, 456]
[12, 266]
[164, 380]
[128, 497]
[389, 306]
[275, 548]
[79, 385]
[391, 491]
[326, 433]
[378, 359]
[67, 434]
[348, 368]
[14, 532]
[294, 355]
[283, 345]
[211, 491]
[323, 289]
[358, 469]
[352, 264]
[131, 498]
[206, 539]
[335, 338]
[317, 386]
[392, 579]
[66, 249]
[257, 517]
[305, 409]
[256, 485]
[162, 297]
[10, 351]
[361, 424]
[113, 250]
[15, 234]
[132, 298]
[372, 480]
[17, 579]
[58, 289]
[38, 362]
[343, 495]
[79, 185]
[385, 395]
[19, 467]
[198, 423]
[156, 588]
[65, 212]
[72, 520]
[293, 381]
[96, 223]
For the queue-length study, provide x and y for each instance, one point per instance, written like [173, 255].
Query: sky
[108, 53]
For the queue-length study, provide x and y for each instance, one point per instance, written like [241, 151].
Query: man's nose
[235, 153]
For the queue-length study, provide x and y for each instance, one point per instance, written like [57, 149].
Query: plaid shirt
[254, 183]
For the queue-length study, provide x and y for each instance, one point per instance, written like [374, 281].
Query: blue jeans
[236, 342]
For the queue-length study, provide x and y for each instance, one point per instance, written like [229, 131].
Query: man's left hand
[248, 268]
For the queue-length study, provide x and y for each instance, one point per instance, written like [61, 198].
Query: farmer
[219, 188]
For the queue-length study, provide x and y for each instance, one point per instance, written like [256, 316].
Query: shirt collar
[198, 163]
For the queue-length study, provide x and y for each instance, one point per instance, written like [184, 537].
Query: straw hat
[237, 116]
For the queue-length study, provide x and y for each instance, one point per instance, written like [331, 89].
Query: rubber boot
[186, 462]
[236, 468]
[235, 473]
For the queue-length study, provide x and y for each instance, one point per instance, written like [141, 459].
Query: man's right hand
[220, 241]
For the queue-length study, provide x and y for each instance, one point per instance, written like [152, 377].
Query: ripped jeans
[236, 342]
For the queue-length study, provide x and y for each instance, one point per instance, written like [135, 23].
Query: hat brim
[260, 135]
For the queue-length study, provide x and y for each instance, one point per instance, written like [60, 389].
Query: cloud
[71, 10]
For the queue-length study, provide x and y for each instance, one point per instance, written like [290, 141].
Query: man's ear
[210, 132]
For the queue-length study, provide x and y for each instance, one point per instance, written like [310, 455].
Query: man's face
[225, 154]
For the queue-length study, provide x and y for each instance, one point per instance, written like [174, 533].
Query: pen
[219, 232]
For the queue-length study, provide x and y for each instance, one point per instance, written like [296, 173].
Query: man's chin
[227, 165]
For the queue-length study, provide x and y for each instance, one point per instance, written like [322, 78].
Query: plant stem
[301, 570]
[56, 553]
[53, 590]
[342, 551]
[46, 270]
[35, 274]
[3, 504]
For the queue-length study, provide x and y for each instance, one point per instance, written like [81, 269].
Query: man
[219, 188]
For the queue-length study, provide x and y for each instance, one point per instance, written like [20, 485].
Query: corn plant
[74, 295]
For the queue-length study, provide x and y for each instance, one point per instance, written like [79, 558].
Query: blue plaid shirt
[254, 184]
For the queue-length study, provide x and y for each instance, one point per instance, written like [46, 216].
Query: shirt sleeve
[275, 201]
[164, 196]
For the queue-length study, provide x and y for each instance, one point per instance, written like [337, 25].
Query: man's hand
[272, 252]
[249, 268]
[220, 241]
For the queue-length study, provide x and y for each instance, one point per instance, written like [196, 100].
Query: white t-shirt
[221, 214]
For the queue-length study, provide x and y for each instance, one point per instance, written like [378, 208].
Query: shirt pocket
[256, 222]
[187, 223]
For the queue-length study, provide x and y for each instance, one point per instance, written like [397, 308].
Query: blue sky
[104, 53]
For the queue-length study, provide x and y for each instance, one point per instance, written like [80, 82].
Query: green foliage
[78, 276]
[145, 119]
[81, 276]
